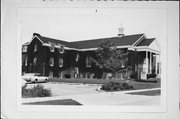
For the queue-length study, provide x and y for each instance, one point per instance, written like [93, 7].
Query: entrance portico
[149, 60]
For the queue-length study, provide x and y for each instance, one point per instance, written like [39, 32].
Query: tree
[109, 57]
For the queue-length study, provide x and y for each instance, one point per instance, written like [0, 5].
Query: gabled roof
[129, 40]
[146, 42]
[27, 43]
[118, 41]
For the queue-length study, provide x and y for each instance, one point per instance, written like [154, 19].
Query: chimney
[121, 32]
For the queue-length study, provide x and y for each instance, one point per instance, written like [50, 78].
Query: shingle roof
[118, 41]
[146, 42]
[128, 40]
[27, 43]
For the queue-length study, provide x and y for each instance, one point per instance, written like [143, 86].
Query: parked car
[34, 77]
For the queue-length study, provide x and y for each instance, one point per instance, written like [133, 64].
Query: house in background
[57, 58]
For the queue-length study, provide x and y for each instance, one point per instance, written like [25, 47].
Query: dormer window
[61, 49]
[51, 61]
[35, 47]
[24, 48]
[51, 48]
[88, 62]
[60, 62]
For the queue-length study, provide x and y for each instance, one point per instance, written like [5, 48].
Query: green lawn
[135, 84]
[147, 93]
[55, 102]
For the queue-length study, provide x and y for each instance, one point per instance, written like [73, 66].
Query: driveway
[87, 94]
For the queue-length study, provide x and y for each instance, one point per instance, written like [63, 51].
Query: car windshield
[37, 75]
[32, 74]
[29, 74]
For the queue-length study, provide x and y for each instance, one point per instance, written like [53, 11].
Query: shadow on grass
[55, 102]
[147, 93]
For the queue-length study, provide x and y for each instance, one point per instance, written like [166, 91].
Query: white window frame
[24, 48]
[51, 61]
[61, 63]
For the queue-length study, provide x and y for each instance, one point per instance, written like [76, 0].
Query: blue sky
[91, 23]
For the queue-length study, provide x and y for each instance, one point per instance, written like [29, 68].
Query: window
[60, 62]
[35, 60]
[123, 63]
[61, 49]
[26, 61]
[76, 72]
[51, 48]
[88, 62]
[77, 57]
[35, 47]
[24, 49]
[51, 62]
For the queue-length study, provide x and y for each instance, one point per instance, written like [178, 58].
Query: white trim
[145, 48]
[140, 39]
[37, 38]
[87, 49]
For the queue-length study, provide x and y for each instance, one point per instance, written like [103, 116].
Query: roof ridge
[105, 38]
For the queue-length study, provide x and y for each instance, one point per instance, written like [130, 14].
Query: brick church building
[58, 58]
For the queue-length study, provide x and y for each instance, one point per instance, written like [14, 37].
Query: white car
[34, 78]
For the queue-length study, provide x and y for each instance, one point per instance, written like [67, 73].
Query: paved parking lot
[87, 94]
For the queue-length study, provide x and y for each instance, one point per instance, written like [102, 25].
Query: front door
[76, 72]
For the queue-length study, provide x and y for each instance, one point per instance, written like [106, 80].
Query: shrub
[36, 91]
[134, 75]
[115, 86]
[67, 76]
[151, 76]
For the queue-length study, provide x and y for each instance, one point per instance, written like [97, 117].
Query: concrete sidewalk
[105, 98]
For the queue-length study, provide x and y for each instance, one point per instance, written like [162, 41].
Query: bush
[134, 75]
[151, 76]
[36, 91]
[115, 86]
[67, 76]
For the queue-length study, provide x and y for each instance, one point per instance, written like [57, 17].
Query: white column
[156, 64]
[146, 61]
[150, 62]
